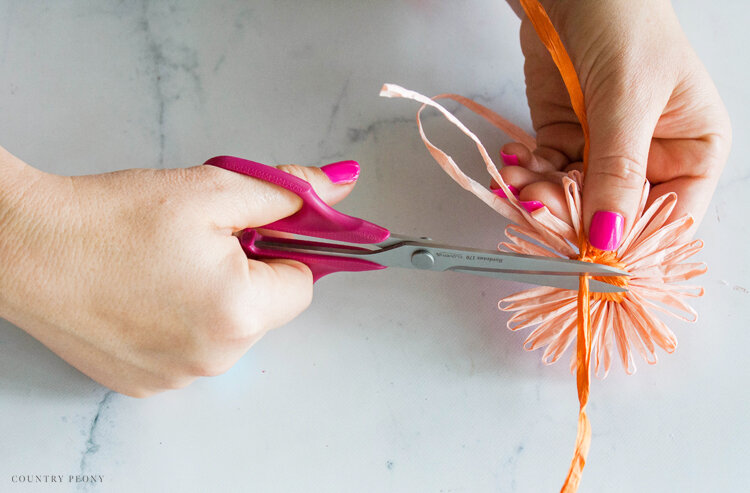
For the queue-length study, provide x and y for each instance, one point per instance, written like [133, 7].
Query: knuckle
[716, 148]
[210, 367]
[176, 382]
[513, 174]
[178, 177]
[204, 180]
[619, 171]
[205, 357]
[233, 320]
[304, 172]
[210, 179]
[138, 393]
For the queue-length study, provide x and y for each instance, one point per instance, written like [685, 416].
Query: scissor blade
[559, 266]
[562, 282]
[544, 271]
[427, 255]
[408, 253]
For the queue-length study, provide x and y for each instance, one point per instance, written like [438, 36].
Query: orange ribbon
[551, 40]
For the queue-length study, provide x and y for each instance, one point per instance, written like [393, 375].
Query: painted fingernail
[532, 205]
[499, 191]
[605, 231]
[342, 172]
[509, 159]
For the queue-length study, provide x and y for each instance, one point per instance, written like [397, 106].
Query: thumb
[332, 182]
[279, 289]
[621, 132]
[246, 202]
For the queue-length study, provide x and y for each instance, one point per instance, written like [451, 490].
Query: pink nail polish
[509, 159]
[605, 231]
[532, 205]
[499, 191]
[342, 172]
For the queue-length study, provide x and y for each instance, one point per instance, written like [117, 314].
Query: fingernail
[509, 159]
[499, 191]
[342, 172]
[532, 205]
[605, 231]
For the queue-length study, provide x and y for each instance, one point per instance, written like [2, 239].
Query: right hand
[135, 277]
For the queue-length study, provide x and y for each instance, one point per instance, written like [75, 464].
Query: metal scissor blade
[433, 256]
[427, 255]
[559, 266]
[562, 282]
[544, 271]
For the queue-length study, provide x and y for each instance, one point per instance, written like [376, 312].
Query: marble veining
[92, 443]
[169, 60]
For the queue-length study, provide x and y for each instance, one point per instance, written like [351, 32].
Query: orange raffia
[551, 40]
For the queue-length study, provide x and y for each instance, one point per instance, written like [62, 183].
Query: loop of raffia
[651, 253]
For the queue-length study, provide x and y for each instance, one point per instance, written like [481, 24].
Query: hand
[135, 277]
[652, 109]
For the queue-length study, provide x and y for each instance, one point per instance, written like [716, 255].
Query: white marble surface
[392, 381]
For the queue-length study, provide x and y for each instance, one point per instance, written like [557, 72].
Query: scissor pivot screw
[422, 259]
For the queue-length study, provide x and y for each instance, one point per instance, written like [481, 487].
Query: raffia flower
[651, 253]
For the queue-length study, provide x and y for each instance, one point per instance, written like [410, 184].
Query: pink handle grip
[320, 265]
[315, 218]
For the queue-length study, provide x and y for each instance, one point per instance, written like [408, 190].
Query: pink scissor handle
[320, 265]
[315, 218]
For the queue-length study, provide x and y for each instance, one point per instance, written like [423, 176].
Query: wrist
[19, 185]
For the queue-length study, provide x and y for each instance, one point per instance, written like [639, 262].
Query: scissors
[356, 245]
